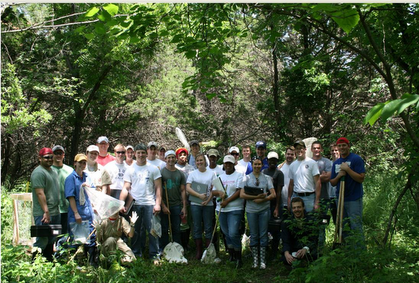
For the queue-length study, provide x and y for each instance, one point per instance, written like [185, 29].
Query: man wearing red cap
[352, 167]
[46, 199]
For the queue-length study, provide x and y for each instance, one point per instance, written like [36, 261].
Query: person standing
[174, 183]
[278, 182]
[231, 206]
[334, 152]
[143, 181]
[80, 208]
[284, 167]
[257, 210]
[352, 167]
[152, 155]
[304, 179]
[116, 170]
[46, 200]
[244, 165]
[104, 157]
[213, 156]
[96, 173]
[129, 156]
[63, 171]
[261, 153]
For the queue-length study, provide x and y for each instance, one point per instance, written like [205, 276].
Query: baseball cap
[273, 154]
[45, 151]
[299, 142]
[80, 157]
[213, 152]
[194, 142]
[260, 144]
[102, 139]
[130, 146]
[169, 152]
[58, 147]
[229, 158]
[342, 140]
[140, 146]
[152, 143]
[234, 148]
[92, 147]
[180, 150]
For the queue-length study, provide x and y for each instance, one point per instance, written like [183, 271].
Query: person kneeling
[109, 232]
[299, 235]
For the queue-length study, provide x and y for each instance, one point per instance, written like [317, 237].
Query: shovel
[173, 252]
[339, 216]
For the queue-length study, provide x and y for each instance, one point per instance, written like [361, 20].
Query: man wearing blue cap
[261, 153]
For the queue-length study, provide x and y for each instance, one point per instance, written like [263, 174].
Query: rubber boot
[92, 256]
[232, 254]
[262, 257]
[238, 255]
[198, 244]
[184, 238]
[255, 254]
[274, 251]
[48, 251]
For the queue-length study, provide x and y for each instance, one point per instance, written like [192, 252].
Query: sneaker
[262, 265]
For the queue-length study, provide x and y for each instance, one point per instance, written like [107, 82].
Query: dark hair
[246, 146]
[256, 158]
[297, 199]
[290, 148]
[317, 142]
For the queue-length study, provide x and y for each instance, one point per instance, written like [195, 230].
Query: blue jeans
[42, 242]
[308, 201]
[201, 214]
[145, 213]
[352, 216]
[258, 225]
[175, 221]
[230, 225]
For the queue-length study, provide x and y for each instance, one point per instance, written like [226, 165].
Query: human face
[235, 154]
[229, 168]
[120, 154]
[261, 152]
[195, 149]
[200, 163]
[272, 163]
[141, 156]
[92, 156]
[289, 156]
[300, 152]
[103, 148]
[335, 152]
[80, 166]
[182, 158]
[257, 165]
[298, 209]
[161, 153]
[129, 154]
[344, 149]
[317, 150]
[46, 160]
[151, 152]
[246, 152]
[58, 157]
[171, 160]
[212, 159]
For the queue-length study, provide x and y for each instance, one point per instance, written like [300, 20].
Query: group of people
[178, 186]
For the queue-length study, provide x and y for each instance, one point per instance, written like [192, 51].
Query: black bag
[50, 230]
[253, 191]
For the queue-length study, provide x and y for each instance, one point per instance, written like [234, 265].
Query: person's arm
[158, 190]
[124, 194]
[73, 206]
[325, 176]
[234, 196]
[357, 177]
[290, 193]
[184, 200]
[193, 193]
[245, 196]
[286, 244]
[335, 180]
[42, 199]
[318, 191]
[268, 198]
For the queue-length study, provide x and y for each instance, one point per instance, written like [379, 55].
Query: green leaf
[112, 9]
[406, 101]
[374, 114]
[389, 109]
[89, 36]
[210, 95]
[100, 28]
[93, 11]
[346, 18]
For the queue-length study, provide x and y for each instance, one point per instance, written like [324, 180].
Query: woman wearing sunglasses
[257, 210]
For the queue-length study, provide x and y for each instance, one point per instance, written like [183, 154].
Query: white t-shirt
[232, 182]
[303, 172]
[284, 193]
[157, 162]
[218, 170]
[116, 172]
[241, 166]
[203, 178]
[142, 183]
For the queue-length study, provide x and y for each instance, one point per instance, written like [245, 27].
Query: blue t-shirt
[353, 189]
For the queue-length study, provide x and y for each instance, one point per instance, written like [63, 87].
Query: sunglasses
[235, 154]
[58, 153]
[257, 182]
[120, 152]
[48, 157]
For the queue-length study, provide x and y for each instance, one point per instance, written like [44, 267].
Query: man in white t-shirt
[244, 165]
[304, 179]
[285, 167]
[143, 181]
[152, 148]
[116, 170]
[213, 156]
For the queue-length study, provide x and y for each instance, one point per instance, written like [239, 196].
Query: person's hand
[184, 212]
[203, 196]
[276, 212]
[301, 253]
[224, 203]
[259, 200]
[123, 210]
[133, 218]
[289, 258]
[222, 194]
[344, 167]
[261, 196]
[316, 206]
[46, 218]
[85, 185]
[166, 210]
[78, 218]
[205, 202]
[156, 209]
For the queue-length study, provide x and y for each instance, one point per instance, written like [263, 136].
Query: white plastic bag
[80, 231]
[155, 226]
[104, 205]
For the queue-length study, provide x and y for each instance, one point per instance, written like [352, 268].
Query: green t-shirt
[172, 181]
[62, 172]
[48, 180]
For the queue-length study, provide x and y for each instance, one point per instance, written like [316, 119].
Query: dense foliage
[227, 73]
